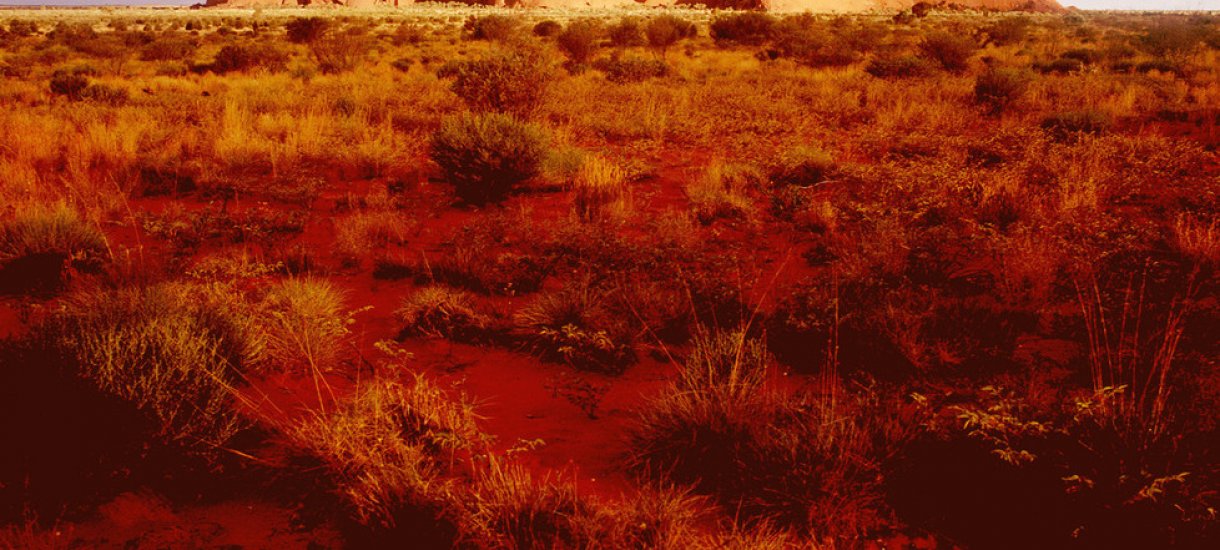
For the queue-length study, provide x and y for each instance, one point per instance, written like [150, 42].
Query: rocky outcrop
[773, 5]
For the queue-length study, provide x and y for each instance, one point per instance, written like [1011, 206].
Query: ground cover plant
[479, 277]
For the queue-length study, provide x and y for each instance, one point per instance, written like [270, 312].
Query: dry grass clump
[176, 352]
[1197, 239]
[600, 190]
[55, 230]
[574, 326]
[361, 234]
[386, 448]
[486, 157]
[723, 192]
[440, 311]
[307, 324]
[800, 461]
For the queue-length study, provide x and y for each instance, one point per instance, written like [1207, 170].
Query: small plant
[665, 31]
[632, 69]
[442, 312]
[578, 41]
[71, 85]
[493, 27]
[951, 51]
[175, 352]
[627, 33]
[487, 156]
[746, 29]
[600, 190]
[547, 28]
[573, 326]
[905, 66]
[578, 391]
[722, 192]
[999, 88]
[511, 83]
[307, 30]
[802, 166]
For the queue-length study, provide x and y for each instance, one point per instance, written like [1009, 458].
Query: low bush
[998, 88]
[510, 83]
[573, 326]
[243, 57]
[951, 51]
[578, 41]
[547, 28]
[39, 243]
[905, 66]
[627, 33]
[600, 190]
[175, 352]
[307, 30]
[440, 311]
[487, 156]
[747, 29]
[1070, 124]
[723, 192]
[666, 30]
[493, 27]
[632, 69]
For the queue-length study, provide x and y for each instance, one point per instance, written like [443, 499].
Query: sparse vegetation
[715, 277]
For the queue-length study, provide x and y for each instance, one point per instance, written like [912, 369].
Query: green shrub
[747, 29]
[511, 83]
[487, 156]
[173, 351]
[951, 51]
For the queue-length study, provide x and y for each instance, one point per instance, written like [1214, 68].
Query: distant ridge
[773, 5]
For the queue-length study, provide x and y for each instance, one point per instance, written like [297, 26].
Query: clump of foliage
[442, 312]
[307, 30]
[578, 41]
[487, 156]
[574, 326]
[664, 31]
[901, 66]
[246, 57]
[55, 229]
[493, 27]
[627, 33]
[802, 166]
[1000, 87]
[747, 29]
[622, 70]
[1069, 124]
[510, 83]
[950, 51]
[175, 352]
[307, 325]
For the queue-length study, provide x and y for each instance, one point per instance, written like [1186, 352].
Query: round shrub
[906, 66]
[307, 30]
[487, 156]
[951, 51]
[547, 28]
[749, 29]
[998, 88]
[579, 40]
[513, 83]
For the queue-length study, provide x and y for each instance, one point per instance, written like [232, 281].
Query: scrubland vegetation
[634, 279]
